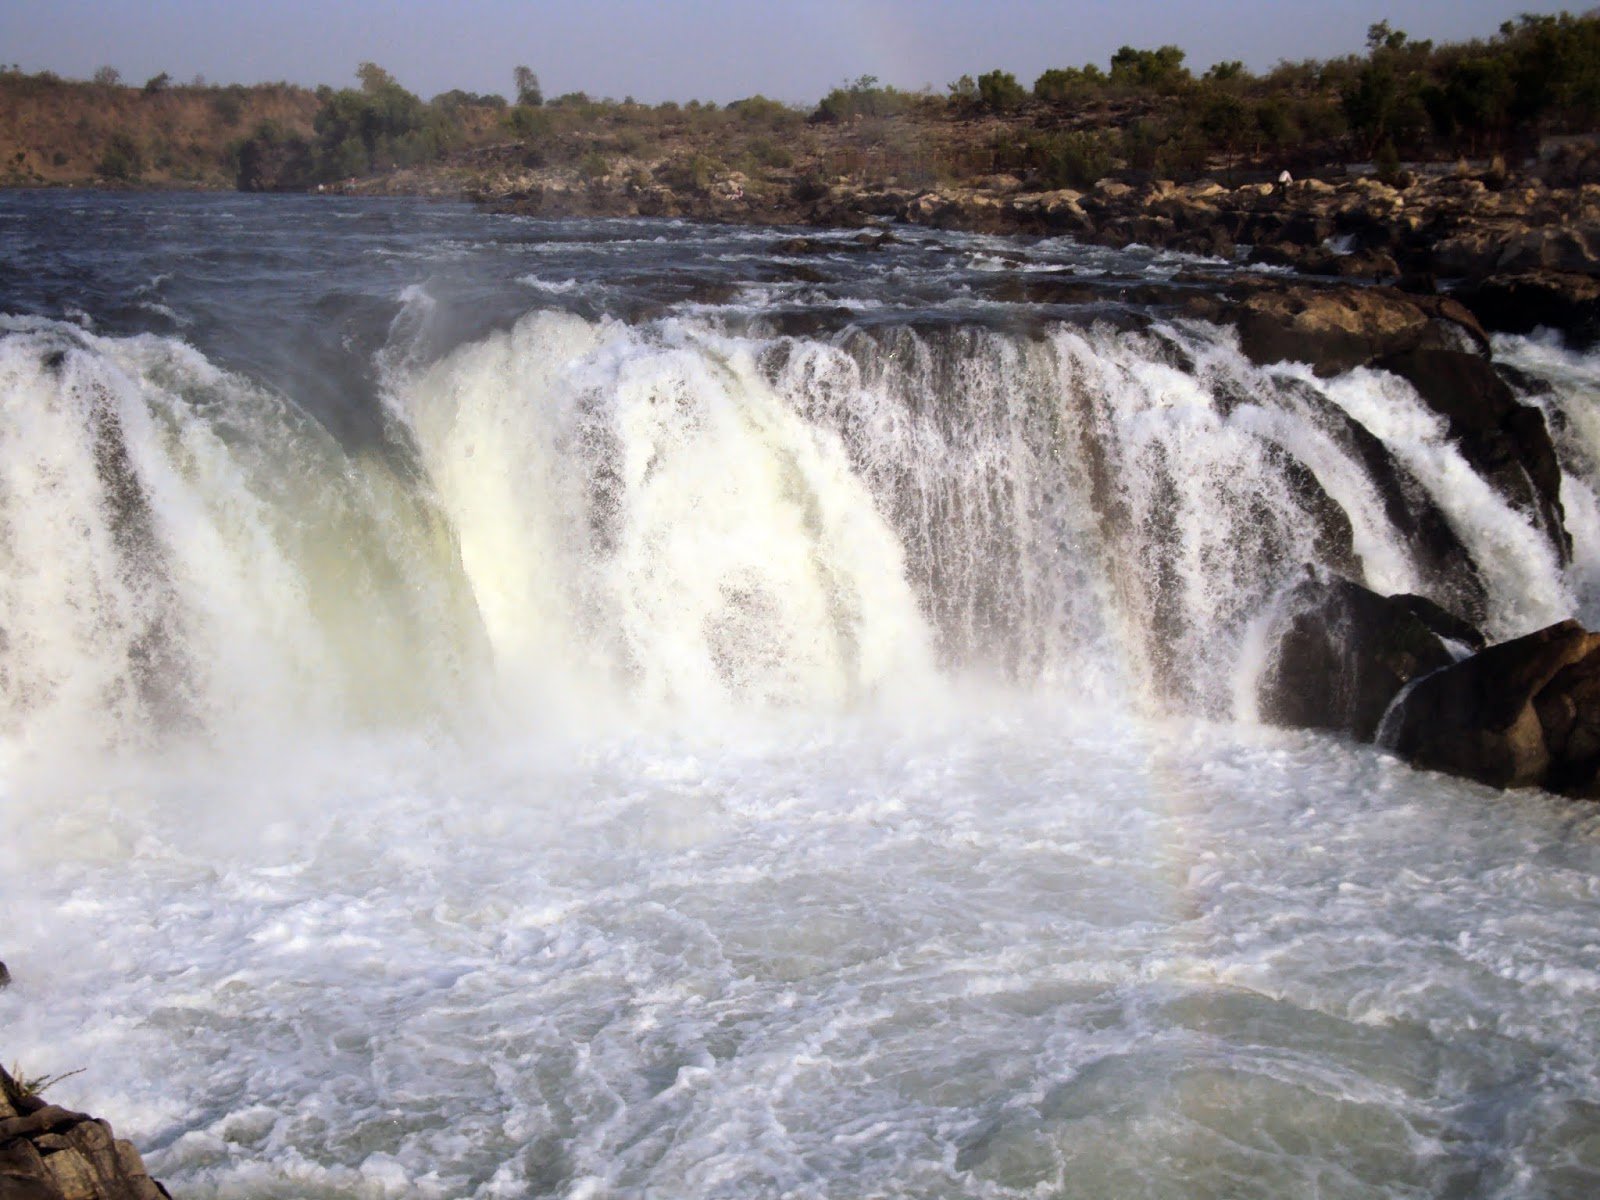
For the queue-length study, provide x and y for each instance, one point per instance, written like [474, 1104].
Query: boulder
[1334, 328]
[1341, 654]
[1525, 713]
[1521, 303]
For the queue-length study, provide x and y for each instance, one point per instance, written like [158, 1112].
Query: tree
[1472, 101]
[999, 91]
[1162, 69]
[1224, 121]
[381, 125]
[374, 79]
[1061, 84]
[1384, 104]
[526, 84]
[107, 76]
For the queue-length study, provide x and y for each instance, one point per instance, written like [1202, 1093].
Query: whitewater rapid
[454, 746]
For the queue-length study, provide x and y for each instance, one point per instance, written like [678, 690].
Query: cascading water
[186, 553]
[749, 749]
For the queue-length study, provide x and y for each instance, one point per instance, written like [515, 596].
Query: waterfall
[680, 517]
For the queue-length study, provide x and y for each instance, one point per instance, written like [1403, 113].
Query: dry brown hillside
[55, 131]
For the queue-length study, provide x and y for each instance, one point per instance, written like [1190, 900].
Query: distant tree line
[1145, 111]
[1402, 98]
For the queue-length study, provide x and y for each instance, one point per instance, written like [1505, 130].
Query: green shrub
[528, 123]
[228, 104]
[1061, 85]
[768, 153]
[1387, 163]
[1162, 69]
[122, 161]
[1079, 159]
[863, 98]
[758, 110]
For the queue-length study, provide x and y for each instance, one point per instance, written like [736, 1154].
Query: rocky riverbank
[1520, 252]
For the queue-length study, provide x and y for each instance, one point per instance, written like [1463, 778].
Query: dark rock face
[50, 1153]
[1525, 713]
[1342, 653]
[1505, 441]
[1447, 566]
[1522, 303]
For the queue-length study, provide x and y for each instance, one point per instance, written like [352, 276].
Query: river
[494, 707]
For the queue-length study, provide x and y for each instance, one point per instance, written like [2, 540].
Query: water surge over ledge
[676, 518]
[740, 750]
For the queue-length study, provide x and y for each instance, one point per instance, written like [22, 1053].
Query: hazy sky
[692, 49]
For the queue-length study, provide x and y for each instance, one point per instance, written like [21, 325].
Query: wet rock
[1505, 441]
[1333, 328]
[711, 291]
[1313, 260]
[1447, 566]
[1341, 654]
[1524, 302]
[1525, 713]
[797, 273]
[1454, 315]
[52, 1153]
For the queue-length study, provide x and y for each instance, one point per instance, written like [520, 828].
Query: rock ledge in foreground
[50, 1153]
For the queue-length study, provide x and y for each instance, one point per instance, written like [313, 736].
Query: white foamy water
[574, 756]
[1028, 952]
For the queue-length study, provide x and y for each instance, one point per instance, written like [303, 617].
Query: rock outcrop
[1342, 653]
[1520, 303]
[1525, 713]
[1521, 256]
[1333, 328]
[1396, 670]
[51, 1153]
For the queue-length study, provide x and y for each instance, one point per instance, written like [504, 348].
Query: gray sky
[693, 49]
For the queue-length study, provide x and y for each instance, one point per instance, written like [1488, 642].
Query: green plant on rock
[19, 1085]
